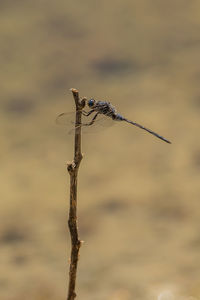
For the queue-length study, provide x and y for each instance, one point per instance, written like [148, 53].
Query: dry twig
[72, 221]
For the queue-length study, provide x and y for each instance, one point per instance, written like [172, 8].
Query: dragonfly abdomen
[118, 117]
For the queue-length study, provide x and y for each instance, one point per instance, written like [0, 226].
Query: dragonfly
[106, 109]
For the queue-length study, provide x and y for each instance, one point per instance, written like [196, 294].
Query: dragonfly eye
[91, 102]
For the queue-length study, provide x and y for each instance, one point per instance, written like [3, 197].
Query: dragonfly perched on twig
[108, 110]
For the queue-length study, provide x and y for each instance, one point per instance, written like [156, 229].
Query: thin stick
[72, 221]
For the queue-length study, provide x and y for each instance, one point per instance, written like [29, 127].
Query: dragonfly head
[91, 103]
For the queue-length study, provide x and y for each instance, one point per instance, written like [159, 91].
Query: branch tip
[73, 90]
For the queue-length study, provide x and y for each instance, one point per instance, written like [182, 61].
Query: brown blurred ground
[139, 205]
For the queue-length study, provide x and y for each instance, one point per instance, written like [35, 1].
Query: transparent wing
[67, 119]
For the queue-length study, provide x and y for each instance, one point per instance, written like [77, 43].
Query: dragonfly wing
[67, 119]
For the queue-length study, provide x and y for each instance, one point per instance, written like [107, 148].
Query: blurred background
[138, 197]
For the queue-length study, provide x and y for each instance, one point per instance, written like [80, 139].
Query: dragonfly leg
[85, 113]
[92, 121]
